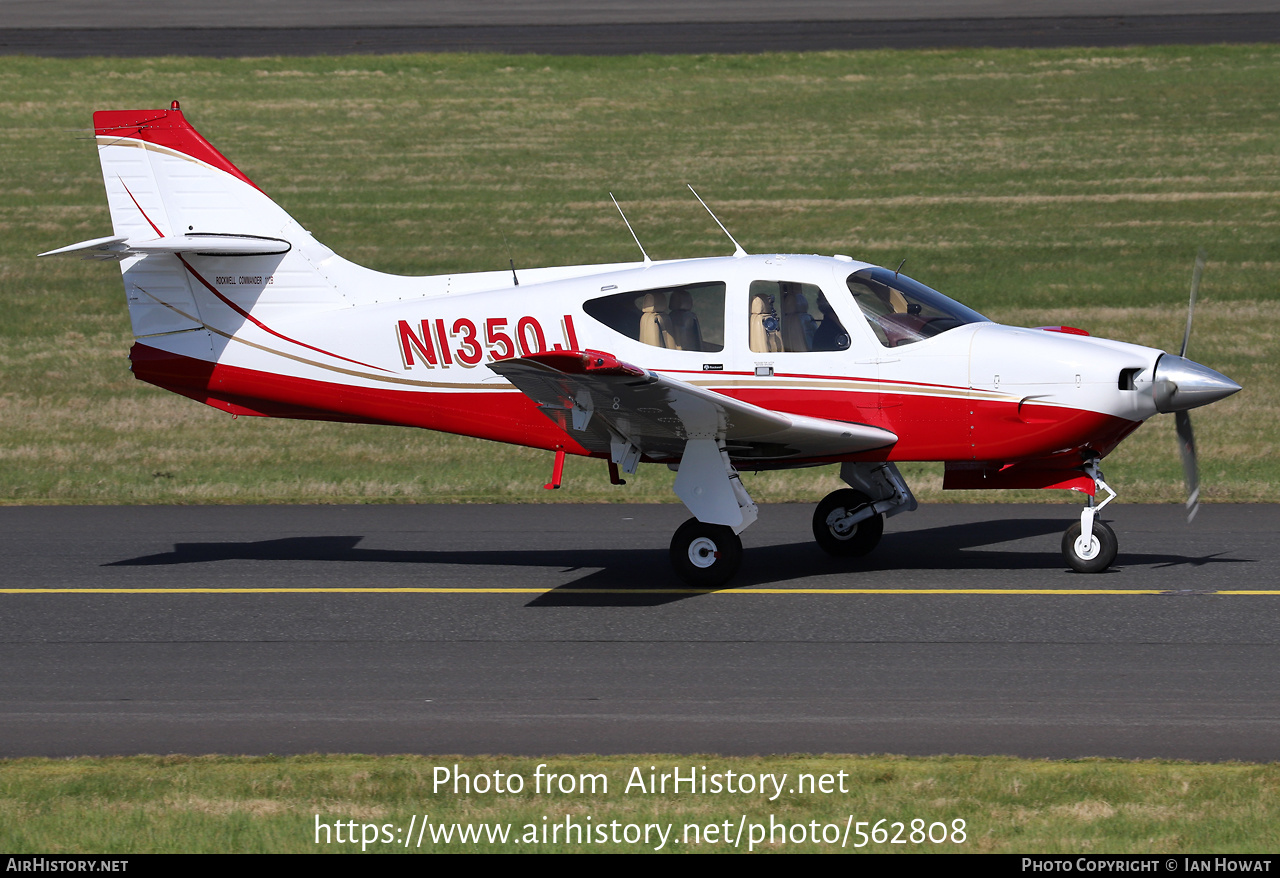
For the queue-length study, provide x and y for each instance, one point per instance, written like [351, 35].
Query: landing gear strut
[706, 551]
[1089, 546]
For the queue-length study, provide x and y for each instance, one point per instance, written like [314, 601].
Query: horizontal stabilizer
[199, 243]
[110, 245]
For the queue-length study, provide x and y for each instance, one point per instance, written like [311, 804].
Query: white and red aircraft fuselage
[740, 363]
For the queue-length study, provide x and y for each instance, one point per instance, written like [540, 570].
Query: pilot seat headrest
[653, 302]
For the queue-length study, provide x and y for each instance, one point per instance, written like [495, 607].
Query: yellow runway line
[647, 591]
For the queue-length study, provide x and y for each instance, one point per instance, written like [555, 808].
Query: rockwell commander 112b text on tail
[709, 366]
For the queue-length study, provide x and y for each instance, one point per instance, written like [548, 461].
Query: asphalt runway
[559, 629]
[243, 28]
[662, 38]
[440, 13]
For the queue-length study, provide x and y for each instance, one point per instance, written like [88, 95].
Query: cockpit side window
[683, 318]
[903, 311]
[787, 316]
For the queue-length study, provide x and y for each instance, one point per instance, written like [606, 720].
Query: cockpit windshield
[902, 311]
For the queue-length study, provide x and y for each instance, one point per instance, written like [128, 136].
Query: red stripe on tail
[167, 128]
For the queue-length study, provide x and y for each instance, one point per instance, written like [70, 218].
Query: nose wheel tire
[1094, 557]
[835, 536]
[705, 555]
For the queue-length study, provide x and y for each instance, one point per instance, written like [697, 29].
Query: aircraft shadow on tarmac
[958, 547]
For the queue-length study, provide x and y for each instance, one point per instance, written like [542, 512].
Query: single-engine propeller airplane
[711, 366]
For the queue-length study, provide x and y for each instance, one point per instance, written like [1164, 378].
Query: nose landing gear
[1089, 546]
[1092, 555]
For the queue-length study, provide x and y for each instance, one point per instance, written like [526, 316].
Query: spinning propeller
[1182, 420]
[1179, 385]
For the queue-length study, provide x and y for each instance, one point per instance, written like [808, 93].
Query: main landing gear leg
[706, 551]
[1089, 546]
[850, 522]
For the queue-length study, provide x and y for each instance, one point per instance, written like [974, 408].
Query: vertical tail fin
[186, 219]
[163, 179]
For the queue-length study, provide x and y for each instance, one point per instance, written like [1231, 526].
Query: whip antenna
[647, 260]
[737, 248]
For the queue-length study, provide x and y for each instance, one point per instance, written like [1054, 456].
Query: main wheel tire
[853, 541]
[705, 555]
[1097, 556]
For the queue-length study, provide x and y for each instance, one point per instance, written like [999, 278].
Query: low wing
[602, 401]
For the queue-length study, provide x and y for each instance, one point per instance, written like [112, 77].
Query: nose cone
[1181, 384]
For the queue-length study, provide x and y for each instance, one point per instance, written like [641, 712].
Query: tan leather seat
[655, 328]
[684, 323]
[797, 325]
[765, 337]
[897, 301]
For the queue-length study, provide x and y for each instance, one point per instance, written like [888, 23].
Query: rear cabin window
[684, 318]
[786, 316]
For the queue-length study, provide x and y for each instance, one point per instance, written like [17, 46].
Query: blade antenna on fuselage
[737, 248]
[511, 260]
[647, 260]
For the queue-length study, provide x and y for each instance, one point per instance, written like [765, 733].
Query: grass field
[1046, 186]
[225, 804]
[1039, 187]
